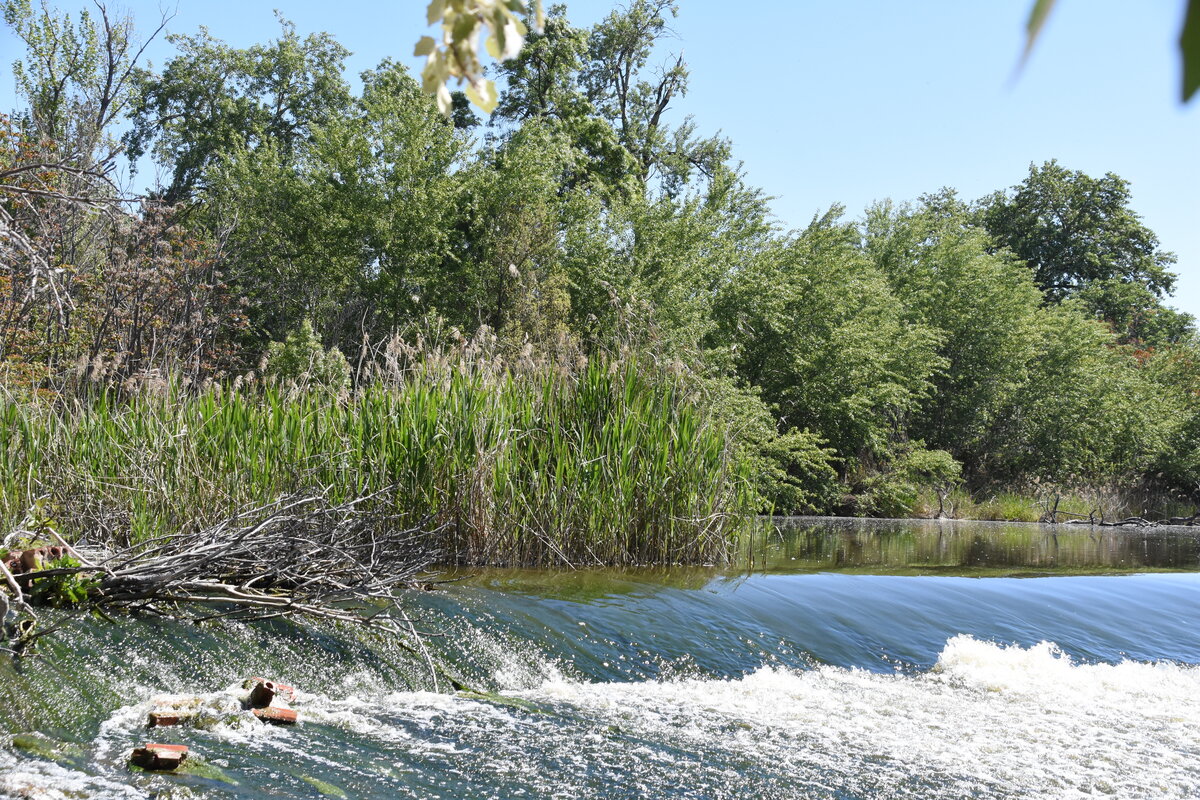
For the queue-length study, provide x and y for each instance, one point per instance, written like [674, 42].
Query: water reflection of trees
[584, 585]
[927, 545]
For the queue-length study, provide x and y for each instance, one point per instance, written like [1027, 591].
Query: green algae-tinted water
[843, 659]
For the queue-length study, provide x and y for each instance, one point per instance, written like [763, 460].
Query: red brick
[276, 715]
[163, 719]
[162, 757]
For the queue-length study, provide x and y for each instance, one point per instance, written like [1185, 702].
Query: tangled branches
[300, 555]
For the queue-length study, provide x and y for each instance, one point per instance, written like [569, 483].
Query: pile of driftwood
[1095, 517]
[301, 555]
[1132, 522]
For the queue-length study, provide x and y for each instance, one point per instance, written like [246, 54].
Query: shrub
[301, 359]
[895, 490]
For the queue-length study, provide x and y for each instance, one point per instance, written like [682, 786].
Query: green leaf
[493, 47]
[464, 27]
[425, 46]
[436, 10]
[1037, 18]
[498, 31]
[485, 98]
[1189, 47]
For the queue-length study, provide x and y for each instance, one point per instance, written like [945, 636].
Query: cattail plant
[605, 463]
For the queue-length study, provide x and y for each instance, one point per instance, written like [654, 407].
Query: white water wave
[988, 720]
[32, 779]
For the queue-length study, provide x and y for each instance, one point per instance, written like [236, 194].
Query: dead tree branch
[298, 556]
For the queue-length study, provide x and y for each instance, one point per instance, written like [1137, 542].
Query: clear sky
[860, 100]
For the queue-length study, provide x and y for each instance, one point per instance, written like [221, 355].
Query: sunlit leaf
[462, 21]
[436, 11]
[485, 97]
[464, 27]
[425, 46]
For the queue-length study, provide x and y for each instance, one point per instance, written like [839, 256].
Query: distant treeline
[300, 220]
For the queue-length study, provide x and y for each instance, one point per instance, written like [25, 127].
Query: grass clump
[605, 463]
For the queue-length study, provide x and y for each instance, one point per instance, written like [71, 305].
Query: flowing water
[845, 659]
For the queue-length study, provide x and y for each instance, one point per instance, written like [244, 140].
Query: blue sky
[860, 100]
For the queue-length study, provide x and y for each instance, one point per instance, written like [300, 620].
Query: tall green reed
[603, 464]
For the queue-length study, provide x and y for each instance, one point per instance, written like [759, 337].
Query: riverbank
[1101, 504]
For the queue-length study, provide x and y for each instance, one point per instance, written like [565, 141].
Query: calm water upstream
[844, 659]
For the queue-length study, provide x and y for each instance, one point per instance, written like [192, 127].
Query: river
[840, 659]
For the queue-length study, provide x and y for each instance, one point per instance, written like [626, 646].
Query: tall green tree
[212, 99]
[603, 87]
[1086, 412]
[813, 323]
[505, 260]
[348, 225]
[79, 75]
[981, 304]
[1080, 237]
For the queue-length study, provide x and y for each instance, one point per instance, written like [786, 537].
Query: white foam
[990, 719]
[31, 779]
[987, 721]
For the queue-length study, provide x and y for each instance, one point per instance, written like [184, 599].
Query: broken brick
[276, 716]
[159, 757]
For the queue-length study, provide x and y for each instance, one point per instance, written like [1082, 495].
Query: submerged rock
[43, 746]
[324, 787]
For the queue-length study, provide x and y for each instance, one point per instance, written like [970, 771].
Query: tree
[346, 225]
[212, 99]
[1085, 412]
[502, 262]
[543, 79]
[813, 323]
[1080, 238]
[78, 77]
[635, 103]
[59, 207]
[599, 87]
[1174, 374]
[982, 305]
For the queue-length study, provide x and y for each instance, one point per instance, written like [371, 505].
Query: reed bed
[603, 464]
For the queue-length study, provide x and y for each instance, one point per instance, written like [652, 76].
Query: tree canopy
[1081, 238]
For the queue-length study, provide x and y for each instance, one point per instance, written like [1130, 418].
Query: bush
[791, 472]
[895, 490]
[301, 359]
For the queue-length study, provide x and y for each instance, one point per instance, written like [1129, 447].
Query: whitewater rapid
[988, 720]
